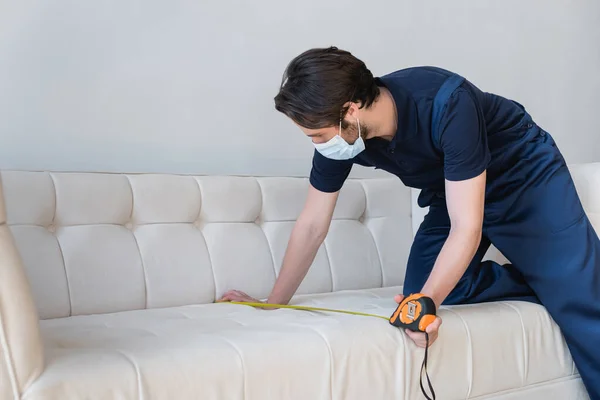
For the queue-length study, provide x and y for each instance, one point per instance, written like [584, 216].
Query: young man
[487, 171]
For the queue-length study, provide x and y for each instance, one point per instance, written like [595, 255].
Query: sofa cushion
[227, 351]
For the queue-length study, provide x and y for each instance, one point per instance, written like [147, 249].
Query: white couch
[108, 283]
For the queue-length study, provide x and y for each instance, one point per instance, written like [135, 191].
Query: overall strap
[439, 104]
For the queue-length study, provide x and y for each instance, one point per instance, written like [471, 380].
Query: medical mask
[337, 148]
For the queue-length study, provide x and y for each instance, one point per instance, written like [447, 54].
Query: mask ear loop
[357, 123]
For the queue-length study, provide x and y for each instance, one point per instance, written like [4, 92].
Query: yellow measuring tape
[307, 308]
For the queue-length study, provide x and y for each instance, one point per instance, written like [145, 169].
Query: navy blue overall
[532, 213]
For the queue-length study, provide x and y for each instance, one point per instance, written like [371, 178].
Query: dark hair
[317, 83]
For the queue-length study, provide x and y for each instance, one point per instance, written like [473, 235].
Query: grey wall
[176, 86]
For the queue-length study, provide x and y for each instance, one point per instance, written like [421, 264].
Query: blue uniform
[532, 213]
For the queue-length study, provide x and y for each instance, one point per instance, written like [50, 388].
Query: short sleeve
[463, 138]
[329, 175]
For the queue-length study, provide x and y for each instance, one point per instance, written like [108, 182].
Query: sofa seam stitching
[51, 176]
[260, 189]
[62, 255]
[330, 268]
[208, 252]
[239, 353]
[530, 386]
[137, 372]
[470, 341]
[137, 245]
[60, 249]
[364, 223]
[330, 357]
[8, 358]
[525, 346]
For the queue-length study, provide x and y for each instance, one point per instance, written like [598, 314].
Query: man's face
[320, 135]
[349, 134]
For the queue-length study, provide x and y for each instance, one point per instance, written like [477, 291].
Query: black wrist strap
[424, 368]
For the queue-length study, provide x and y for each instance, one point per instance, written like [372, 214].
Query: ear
[353, 110]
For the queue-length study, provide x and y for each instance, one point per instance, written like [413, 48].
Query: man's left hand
[419, 337]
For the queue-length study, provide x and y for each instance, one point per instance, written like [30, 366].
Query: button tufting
[52, 228]
[129, 225]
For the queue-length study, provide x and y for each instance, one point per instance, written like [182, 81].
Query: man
[487, 171]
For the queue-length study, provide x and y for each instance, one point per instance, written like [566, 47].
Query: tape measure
[416, 312]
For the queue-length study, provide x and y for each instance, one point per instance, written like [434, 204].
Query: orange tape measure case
[416, 312]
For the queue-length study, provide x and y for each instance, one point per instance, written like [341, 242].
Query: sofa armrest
[21, 348]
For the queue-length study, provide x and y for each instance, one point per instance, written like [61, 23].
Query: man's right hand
[238, 295]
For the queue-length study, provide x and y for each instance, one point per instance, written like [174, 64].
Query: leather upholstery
[124, 270]
[226, 351]
[21, 351]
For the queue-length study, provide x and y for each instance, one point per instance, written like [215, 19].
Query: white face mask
[337, 148]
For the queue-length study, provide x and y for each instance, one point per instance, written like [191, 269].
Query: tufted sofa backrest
[99, 243]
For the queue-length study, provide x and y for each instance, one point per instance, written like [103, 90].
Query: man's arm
[463, 138]
[307, 236]
[465, 201]
[325, 182]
